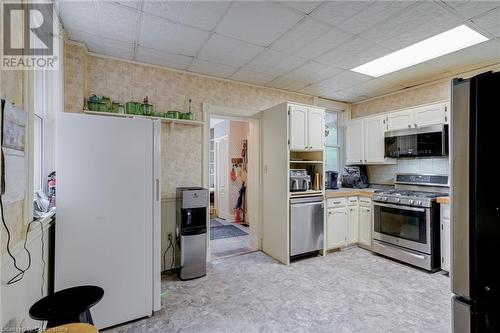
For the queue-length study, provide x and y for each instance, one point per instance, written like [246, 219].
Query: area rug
[226, 231]
[215, 223]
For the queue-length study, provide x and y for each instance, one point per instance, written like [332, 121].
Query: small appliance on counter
[191, 231]
[299, 180]
[331, 180]
[355, 176]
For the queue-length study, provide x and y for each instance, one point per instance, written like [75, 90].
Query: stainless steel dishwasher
[306, 225]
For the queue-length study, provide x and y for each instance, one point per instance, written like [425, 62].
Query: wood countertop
[443, 200]
[350, 192]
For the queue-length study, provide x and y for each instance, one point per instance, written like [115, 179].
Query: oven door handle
[415, 209]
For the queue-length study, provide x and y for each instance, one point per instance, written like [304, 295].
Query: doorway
[230, 232]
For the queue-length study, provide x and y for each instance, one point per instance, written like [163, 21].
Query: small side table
[67, 306]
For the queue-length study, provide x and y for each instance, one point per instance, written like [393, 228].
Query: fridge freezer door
[460, 316]
[460, 273]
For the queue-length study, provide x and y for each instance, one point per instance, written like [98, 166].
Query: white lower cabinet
[353, 223]
[365, 226]
[336, 227]
[445, 237]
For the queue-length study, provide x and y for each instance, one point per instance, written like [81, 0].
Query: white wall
[384, 174]
[16, 299]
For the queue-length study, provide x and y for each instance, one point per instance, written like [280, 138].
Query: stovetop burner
[408, 193]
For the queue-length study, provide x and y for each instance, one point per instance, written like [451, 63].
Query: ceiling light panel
[430, 48]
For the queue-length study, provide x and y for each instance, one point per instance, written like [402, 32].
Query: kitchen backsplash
[384, 174]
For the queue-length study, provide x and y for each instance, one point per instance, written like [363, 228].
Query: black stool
[67, 306]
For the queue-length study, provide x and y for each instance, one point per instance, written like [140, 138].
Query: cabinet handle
[409, 126]
[415, 125]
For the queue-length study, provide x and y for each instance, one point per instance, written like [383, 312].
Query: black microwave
[418, 142]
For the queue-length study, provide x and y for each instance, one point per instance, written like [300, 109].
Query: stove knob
[397, 200]
[384, 198]
[419, 203]
[411, 201]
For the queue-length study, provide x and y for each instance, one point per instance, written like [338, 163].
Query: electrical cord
[21, 271]
[170, 245]
[44, 264]
[20, 275]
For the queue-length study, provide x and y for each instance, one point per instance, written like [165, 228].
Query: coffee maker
[331, 178]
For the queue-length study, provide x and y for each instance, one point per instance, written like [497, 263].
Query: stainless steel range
[406, 219]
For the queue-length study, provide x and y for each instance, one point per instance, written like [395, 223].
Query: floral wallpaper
[426, 94]
[166, 89]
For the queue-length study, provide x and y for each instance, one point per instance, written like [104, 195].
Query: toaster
[299, 180]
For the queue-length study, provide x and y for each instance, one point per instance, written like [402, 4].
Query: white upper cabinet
[430, 115]
[421, 116]
[298, 127]
[316, 129]
[400, 120]
[307, 128]
[354, 142]
[374, 139]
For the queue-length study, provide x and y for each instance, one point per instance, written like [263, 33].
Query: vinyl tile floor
[226, 247]
[351, 290]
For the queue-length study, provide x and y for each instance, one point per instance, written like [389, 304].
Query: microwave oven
[417, 142]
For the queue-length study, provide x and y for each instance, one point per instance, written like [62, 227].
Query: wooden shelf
[162, 119]
[306, 162]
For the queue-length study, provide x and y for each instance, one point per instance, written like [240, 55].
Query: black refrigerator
[475, 203]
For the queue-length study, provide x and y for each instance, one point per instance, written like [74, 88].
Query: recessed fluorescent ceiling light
[430, 48]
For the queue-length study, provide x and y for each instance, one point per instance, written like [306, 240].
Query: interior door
[298, 128]
[316, 129]
[222, 177]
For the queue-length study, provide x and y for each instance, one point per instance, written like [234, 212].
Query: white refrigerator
[108, 213]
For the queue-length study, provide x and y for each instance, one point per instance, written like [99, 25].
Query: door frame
[254, 191]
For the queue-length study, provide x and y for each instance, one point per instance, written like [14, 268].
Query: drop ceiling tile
[490, 22]
[346, 96]
[353, 53]
[312, 72]
[248, 76]
[336, 12]
[201, 14]
[287, 84]
[79, 15]
[210, 68]
[299, 36]
[375, 87]
[228, 51]
[162, 58]
[109, 47]
[304, 6]
[316, 90]
[371, 15]
[344, 80]
[158, 33]
[470, 58]
[416, 23]
[117, 22]
[134, 4]
[258, 22]
[415, 75]
[325, 43]
[274, 63]
[470, 9]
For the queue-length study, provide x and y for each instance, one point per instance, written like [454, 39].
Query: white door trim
[254, 196]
